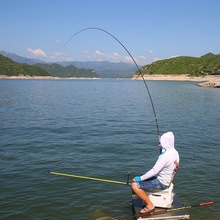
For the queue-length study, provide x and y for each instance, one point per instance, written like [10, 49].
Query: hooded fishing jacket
[165, 165]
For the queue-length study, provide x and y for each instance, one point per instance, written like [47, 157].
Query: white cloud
[142, 58]
[85, 52]
[128, 59]
[116, 57]
[99, 53]
[57, 41]
[57, 55]
[156, 59]
[60, 56]
[150, 51]
[37, 52]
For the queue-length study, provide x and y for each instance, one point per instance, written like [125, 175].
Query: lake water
[104, 129]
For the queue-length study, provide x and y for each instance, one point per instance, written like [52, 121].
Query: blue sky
[149, 29]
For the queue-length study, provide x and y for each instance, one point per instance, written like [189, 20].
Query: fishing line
[139, 71]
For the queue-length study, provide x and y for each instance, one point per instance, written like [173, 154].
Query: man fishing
[161, 175]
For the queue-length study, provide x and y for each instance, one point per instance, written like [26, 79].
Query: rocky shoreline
[211, 81]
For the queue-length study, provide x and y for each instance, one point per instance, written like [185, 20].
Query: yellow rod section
[87, 177]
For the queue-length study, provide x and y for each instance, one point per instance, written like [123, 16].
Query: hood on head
[167, 140]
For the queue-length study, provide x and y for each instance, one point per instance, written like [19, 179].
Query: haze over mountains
[104, 69]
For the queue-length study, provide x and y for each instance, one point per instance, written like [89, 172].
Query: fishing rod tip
[207, 203]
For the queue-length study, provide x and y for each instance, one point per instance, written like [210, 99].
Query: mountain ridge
[104, 69]
[8, 67]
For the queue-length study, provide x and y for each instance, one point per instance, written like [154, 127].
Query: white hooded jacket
[165, 165]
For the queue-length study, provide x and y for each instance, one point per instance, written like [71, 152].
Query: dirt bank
[205, 81]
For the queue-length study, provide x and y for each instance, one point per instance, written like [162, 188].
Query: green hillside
[57, 70]
[193, 66]
[10, 68]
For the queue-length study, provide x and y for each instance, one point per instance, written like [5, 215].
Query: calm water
[102, 128]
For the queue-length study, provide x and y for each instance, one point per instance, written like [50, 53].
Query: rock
[210, 84]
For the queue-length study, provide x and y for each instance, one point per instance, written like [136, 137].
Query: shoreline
[211, 81]
[41, 77]
[183, 77]
[146, 77]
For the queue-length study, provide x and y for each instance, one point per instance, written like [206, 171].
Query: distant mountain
[208, 64]
[104, 69]
[20, 59]
[209, 55]
[57, 70]
[9, 67]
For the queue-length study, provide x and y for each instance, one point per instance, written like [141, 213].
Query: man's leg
[142, 195]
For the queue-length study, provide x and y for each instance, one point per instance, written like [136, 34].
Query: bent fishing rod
[138, 69]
